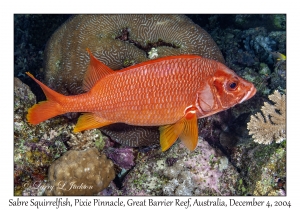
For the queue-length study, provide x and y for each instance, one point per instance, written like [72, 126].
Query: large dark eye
[232, 85]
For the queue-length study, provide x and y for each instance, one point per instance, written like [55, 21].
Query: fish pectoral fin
[90, 121]
[189, 135]
[96, 71]
[169, 134]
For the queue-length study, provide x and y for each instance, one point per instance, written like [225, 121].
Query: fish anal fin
[95, 72]
[90, 121]
[189, 135]
[169, 134]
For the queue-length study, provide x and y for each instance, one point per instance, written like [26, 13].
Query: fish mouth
[249, 94]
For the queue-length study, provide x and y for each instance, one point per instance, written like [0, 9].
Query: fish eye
[232, 85]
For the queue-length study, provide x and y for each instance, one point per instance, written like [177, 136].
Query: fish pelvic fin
[46, 109]
[186, 129]
[89, 121]
[189, 136]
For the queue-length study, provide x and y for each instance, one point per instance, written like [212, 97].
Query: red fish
[171, 92]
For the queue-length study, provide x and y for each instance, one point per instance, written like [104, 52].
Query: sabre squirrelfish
[171, 92]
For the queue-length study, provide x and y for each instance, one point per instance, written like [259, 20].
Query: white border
[152, 6]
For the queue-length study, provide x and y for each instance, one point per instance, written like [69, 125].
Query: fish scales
[170, 92]
[163, 89]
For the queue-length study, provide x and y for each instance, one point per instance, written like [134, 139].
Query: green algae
[263, 163]
[279, 21]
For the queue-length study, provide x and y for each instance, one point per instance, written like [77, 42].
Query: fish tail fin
[46, 109]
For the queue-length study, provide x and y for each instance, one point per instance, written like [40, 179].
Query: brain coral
[133, 136]
[80, 173]
[119, 41]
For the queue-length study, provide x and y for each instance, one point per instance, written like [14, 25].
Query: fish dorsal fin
[186, 129]
[96, 71]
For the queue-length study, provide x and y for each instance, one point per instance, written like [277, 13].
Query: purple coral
[123, 157]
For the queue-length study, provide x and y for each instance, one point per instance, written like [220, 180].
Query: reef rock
[179, 172]
[35, 147]
[119, 41]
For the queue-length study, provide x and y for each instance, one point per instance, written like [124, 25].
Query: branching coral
[271, 125]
